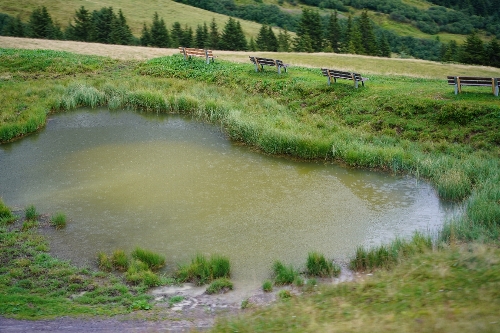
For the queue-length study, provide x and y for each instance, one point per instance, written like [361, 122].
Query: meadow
[406, 120]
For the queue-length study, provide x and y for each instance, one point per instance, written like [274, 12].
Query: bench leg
[257, 68]
[279, 69]
[355, 84]
[456, 89]
[329, 81]
[496, 91]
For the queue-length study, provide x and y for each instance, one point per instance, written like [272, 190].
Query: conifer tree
[159, 32]
[310, 25]
[145, 36]
[83, 25]
[451, 51]
[176, 35]
[14, 27]
[266, 39]
[232, 37]
[120, 31]
[493, 51]
[384, 47]
[187, 37]
[333, 33]
[199, 38]
[40, 24]
[213, 35]
[284, 41]
[346, 40]
[101, 25]
[367, 36]
[251, 45]
[473, 51]
[356, 42]
[261, 40]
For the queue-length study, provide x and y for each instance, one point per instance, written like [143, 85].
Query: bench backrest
[267, 62]
[473, 81]
[188, 51]
[341, 75]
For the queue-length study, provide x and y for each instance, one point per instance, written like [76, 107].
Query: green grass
[267, 286]
[317, 265]
[219, 286]
[58, 220]
[120, 260]
[451, 290]
[202, 270]
[153, 260]
[284, 275]
[30, 213]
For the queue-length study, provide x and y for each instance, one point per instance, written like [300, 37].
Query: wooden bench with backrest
[261, 62]
[191, 52]
[336, 74]
[459, 81]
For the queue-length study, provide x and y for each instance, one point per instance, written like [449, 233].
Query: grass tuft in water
[284, 275]
[153, 260]
[58, 220]
[119, 260]
[104, 262]
[267, 286]
[6, 215]
[202, 271]
[30, 213]
[317, 265]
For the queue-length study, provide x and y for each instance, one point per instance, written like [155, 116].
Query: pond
[179, 187]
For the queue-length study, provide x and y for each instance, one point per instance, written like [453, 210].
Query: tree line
[314, 33]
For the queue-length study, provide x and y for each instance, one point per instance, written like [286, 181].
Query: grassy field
[406, 120]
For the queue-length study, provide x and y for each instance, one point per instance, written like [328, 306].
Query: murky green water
[179, 187]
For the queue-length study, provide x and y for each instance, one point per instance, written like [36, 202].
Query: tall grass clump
[6, 215]
[453, 184]
[30, 213]
[385, 256]
[78, 95]
[104, 262]
[150, 101]
[119, 260]
[58, 220]
[153, 260]
[138, 273]
[283, 275]
[202, 271]
[317, 265]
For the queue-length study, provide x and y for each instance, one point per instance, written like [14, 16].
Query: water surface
[179, 187]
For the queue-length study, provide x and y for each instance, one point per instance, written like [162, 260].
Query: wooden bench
[459, 81]
[190, 52]
[261, 62]
[336, 74]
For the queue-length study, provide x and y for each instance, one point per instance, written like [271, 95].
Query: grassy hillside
[135, 13]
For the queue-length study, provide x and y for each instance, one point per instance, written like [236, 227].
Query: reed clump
[6, 215]
[202, 270]
[30, 213]
[219, 286]
[318, 266]
[58, 220]
[153, 260]
[284, 275]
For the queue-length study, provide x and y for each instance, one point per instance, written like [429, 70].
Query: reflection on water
[179, 187]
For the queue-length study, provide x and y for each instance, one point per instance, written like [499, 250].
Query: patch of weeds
[138, 273]
[267, 286]
[284, 294]
[317, 265]
[284, 275]
[29, 224]
[175, 299]
[245, 304]
[140, 305]
[153, 260]
[6, 216]
[310, 284]
[298, 281]
[30, 213]
[219, 286]
[58, 220]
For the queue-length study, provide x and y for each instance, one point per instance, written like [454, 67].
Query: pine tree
[333, 33]
[83, 25]
[176, 35]
[213, 36]
[187, 37]
[310, 25]
[451, 52]
[493, 50]
[232, 38]
[367, 36]
[101, 25]
[384, 47]
[272, 43]
[120, 31]
[199, 38]
[159, 32]
[145, 36]
[473, 51]
[14, 27]
[356, 43]
[252, 46]
[284, 41]
[346, 41]
[261, 40]
[40, 24]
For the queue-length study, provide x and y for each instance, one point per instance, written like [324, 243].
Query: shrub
[175, 299]
[58, 220]
[153, 260]
[30, 213]
[267, 286]
[6, 215]
[284, 275]
[284, 294]
[219, 286]
[119, 260]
